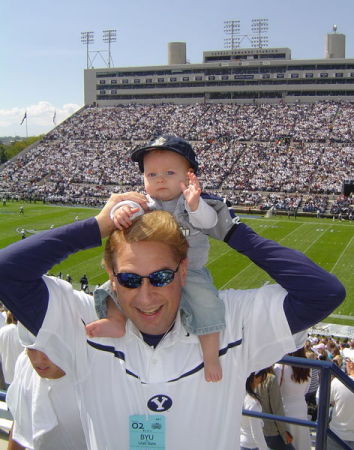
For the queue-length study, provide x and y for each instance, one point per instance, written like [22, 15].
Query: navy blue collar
[152, 339]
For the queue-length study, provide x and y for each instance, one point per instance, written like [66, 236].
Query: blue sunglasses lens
[129, 280]
[158, 279]
[161, 277]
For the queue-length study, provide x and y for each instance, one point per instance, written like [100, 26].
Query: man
[342, 400]
[43, 405]
[349, 352]
[148, 386]
[69, 278]
[276, 433]
[84, 283]
[10, 347]
[2, 323]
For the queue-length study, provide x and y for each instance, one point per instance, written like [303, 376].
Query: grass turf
[330, 244]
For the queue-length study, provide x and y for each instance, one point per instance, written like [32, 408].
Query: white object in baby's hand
[140, 212]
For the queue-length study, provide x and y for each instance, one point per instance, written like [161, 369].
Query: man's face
[152, 309]
[163, 173]
[43, 365]
[350, 367]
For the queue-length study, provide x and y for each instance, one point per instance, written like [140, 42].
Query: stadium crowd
[276, 157]
[245, 152]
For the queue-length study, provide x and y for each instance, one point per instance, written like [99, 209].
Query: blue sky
[43, 58]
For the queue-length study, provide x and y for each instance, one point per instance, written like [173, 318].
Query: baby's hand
[192, 191]
[122, 216]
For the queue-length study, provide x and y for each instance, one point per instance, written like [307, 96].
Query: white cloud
[39, 118]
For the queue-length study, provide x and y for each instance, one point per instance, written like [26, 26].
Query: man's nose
[144, 292]
[38, 357]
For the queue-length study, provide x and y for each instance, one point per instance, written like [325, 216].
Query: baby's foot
[212, 371]
[105, 328]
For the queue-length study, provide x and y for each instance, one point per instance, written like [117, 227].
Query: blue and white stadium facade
[248, 75]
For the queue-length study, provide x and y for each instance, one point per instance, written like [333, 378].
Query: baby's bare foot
[105, 328]
[212, 372]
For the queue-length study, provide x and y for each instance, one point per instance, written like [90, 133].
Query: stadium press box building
[248, 75]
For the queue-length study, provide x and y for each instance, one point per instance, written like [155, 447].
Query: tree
[16, 147]
[3, 154]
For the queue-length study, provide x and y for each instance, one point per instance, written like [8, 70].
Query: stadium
[273, 136]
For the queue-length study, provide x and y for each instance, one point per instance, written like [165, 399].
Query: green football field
[329, 243]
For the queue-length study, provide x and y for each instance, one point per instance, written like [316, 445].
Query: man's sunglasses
[159, 278]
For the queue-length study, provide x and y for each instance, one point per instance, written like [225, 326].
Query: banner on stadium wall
[333, 329]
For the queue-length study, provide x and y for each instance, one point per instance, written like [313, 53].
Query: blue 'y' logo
[159, 403]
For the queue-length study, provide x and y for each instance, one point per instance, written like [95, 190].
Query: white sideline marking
[340, 256]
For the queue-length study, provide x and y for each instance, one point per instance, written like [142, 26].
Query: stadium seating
[246, 152]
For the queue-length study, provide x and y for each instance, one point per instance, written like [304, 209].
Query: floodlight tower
[259, 27]
[108, 37]
[87, 39]
[232, 28]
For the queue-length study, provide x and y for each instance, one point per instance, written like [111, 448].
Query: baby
[169, 166]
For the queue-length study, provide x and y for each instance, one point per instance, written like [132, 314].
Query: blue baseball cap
[166, 142]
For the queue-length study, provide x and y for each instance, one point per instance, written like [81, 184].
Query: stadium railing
[5, 415]
[327, 369]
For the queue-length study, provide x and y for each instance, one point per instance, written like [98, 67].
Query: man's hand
[104, 220]
[192, 191]
[288, 437]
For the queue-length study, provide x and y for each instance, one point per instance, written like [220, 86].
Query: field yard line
[239, 273]
[289, 234]
[340, 316]
[313, 242]
[219, 256]
[97, 276]
[230, 250]
[298, 220]
[349, 243]
[224, 285]
[234, 277]
[82, 263]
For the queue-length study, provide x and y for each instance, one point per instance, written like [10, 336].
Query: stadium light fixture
[109, 36]
[259, 27]
[232, 28]
[87, 38]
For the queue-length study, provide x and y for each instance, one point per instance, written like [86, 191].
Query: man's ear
[112, 279]
[114, 282]
[183, 267]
